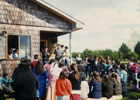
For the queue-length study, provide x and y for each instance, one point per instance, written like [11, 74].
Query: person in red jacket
[33, 64]
[63, 86]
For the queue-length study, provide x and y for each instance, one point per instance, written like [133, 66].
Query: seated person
[10, 54]
[117, 86]
[6, 82]
[33, 64]
[15, 54]
[107, 87]
[95, 87]
[84, 88]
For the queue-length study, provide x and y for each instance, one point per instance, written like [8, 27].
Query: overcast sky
[108, 23]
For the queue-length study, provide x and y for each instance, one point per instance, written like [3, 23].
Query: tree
[124, 49]
[132, 54]
[137, 48]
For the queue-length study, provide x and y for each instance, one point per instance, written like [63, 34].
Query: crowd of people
[52, 79]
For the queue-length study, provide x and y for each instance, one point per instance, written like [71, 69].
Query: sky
[108, 23]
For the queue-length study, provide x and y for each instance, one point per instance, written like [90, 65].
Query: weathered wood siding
[28, 13]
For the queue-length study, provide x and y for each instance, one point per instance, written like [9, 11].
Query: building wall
[24, 17]
[28, 13]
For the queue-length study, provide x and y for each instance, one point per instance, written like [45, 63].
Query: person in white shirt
[84, 88]
[78, 58]
[65, 57]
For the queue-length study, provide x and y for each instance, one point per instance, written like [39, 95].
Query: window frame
[18, 44]
[6, 48]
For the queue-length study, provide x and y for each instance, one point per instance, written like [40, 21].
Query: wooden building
[29, 25]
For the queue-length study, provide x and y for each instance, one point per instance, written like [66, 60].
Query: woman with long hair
[95, 87]
[75, 77]
[41, 73]
[53, 75]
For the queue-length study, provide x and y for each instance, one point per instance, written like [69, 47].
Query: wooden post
[70, 48]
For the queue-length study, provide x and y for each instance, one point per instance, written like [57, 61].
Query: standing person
[75, 78]
[95, 86]
[84, 88]
[89, 66]
[117, 63]
[123, 80]
[109, 66]
[107, 87]
[58, 52]
[16, 54]
[53, 75]
[33, 64]
[85, 65]
[80, 66]
[129, 65]
[96, 65]
[134, 71]
[104, 65]
[46, 55]
[78, 58]
[41, 73]
[116, 70]
[109, 58]
[48, 66]
[65, 57]
[63, 86]
[25, 82]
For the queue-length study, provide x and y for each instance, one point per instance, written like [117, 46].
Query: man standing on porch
[58, 53]
[46, 56]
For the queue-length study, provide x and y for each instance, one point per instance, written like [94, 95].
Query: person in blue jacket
[95, 87]
[41, 73]
[16, 54]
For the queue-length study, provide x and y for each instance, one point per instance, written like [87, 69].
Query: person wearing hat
[65, 57]
[46, 55]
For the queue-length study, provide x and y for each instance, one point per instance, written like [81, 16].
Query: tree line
[123, 53]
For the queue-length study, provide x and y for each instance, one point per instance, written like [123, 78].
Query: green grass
[132, 94]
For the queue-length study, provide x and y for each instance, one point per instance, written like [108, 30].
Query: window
[2, 46]
[25, 46]
[21, 43]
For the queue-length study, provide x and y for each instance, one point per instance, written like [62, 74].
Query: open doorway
[43, 43]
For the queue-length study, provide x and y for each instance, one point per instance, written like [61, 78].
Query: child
[63, 86]
[123, 79]
[6, 82]
[95, 86]
[84, 88]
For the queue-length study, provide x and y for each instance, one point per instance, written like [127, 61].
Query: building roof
[76, 24]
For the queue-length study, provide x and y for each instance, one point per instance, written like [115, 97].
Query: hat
[46, 47]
